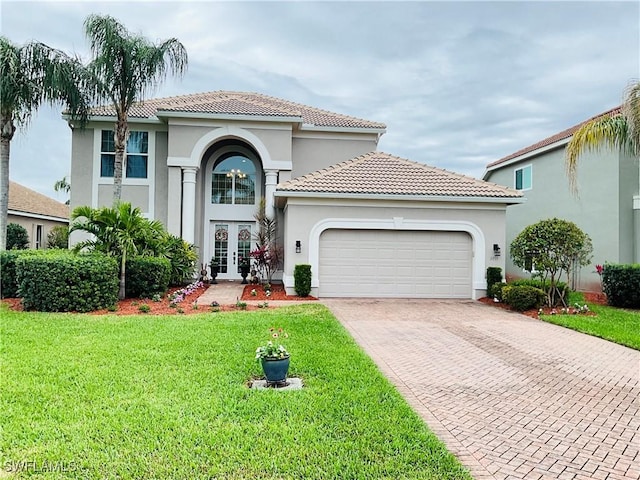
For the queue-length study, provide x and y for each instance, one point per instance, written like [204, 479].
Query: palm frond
[631, 112]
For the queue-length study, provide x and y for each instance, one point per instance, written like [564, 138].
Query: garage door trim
[399, 223]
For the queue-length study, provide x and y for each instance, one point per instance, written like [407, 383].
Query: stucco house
[36, 212]
[607, 206]
[370, 224]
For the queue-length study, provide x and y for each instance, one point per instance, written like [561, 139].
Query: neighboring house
[370, 224]
[37, 213]
[604, 207]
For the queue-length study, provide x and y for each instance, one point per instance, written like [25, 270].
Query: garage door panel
[384, 263]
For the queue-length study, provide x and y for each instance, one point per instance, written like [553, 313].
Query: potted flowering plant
[274, 357]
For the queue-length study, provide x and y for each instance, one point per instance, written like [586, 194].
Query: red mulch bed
[277, 293]
[589, 297]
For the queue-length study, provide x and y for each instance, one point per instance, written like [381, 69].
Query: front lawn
[110, 397]
[614, 324]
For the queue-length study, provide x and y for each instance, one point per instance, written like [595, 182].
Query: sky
[458, 84]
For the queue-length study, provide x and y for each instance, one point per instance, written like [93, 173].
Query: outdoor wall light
[298, 246]
[496, 250]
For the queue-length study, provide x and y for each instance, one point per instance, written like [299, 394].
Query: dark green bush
[17, 237]
[8, 281]
[302, 279]
[496, 290]
[621, 284]
[58, 237]
[523, 297]
[60, 281]
[544, 286]
[494, 275]
[183, 257]
[147, 276]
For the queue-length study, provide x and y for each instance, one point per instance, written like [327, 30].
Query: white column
[189, 203]
[271, 180]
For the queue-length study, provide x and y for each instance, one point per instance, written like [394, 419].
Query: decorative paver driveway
[512, 397]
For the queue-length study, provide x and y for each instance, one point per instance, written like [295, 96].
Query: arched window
[233, 180]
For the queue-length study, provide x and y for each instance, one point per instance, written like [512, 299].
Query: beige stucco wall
[30, 224]
[306, 218]
[162, 203]
[311, 154]
[81, 167]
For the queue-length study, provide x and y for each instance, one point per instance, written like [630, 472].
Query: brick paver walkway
[512, 397]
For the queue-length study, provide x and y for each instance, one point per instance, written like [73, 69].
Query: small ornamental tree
[552, 247]
[17, 237]
[267, 255]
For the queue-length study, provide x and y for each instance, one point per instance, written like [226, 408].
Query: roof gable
[565, 134]
[23, 199]
[379, 173]
[241, 104]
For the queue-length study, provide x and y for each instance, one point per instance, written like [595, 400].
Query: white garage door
[400, 264]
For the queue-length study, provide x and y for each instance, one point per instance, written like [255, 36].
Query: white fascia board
[528, 155]
[113, 119]
[18, 213]
[229, 116]
[315, 128]
[412, 198]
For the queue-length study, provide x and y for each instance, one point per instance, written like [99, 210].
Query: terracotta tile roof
[384, 174]
[23, 199]
[241, 103]
[554, 138]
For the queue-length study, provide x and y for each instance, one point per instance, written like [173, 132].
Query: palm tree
[32, 74]
[64, 186]
[121, 231]
[618, 130]
[126, 67]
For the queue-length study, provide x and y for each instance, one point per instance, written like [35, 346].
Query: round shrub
[621, 284]
[147, 276]
[17, 237]
[523, 297]
[8, 280]
[61, 281]
[302, 279]
[496, 290]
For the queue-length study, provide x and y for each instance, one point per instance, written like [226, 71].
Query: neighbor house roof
[565, 134]
[240, 104]
[380, 173]
[26, 201]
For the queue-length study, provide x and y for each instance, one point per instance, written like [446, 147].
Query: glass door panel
[244, 243]
[221, 246]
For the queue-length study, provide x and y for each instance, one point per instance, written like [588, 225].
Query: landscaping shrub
[523, 297]
[17, 237]
[183, 257]
[147, 276]
[494, 275]
[302, 279]
[58, 237]
[621, 284]
[497, 290]
[545, 286]
[60, 281]
[8, 280]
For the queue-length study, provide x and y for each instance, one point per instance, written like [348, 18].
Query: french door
[231, 242]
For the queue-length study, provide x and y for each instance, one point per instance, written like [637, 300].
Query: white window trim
[151, 168]
[524, 167]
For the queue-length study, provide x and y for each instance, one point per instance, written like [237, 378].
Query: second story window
[523, 180]
[136, 154]
[233, 181]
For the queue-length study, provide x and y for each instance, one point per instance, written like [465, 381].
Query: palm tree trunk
[7, 129]
[123, 265]
[121, 137]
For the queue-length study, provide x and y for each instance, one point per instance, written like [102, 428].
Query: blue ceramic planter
[275, 369]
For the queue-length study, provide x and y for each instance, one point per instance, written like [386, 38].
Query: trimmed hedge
[147, 276]
[60, 281]
[302, 279]
[497, 290]
[8, 280]
[523, 297]
[621, 284]
[494, 275]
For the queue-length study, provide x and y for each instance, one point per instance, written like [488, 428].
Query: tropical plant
[618, 130]
[125, 68]
[120, 231]
[551, 247]
[58, 237]
[268, 254]
[17, 237]
[63, 185]
[33, 74]
[183, 258]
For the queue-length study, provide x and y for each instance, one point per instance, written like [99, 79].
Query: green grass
[614, 324]
[110, 397]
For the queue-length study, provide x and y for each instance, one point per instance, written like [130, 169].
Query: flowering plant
[273, 349]
[179, 295]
